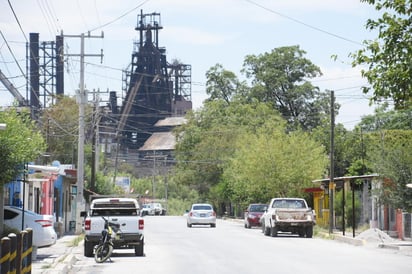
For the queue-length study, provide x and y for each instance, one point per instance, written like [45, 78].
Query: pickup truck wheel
[88, 249]
[302, 232]
[274, 231]
[309, 232]
[139, 249]
[266, 230]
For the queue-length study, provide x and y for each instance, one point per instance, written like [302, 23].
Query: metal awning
[346, 178]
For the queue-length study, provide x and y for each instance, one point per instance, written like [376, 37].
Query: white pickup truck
[122, 211]
[288, 215]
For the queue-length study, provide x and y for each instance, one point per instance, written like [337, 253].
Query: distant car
[201, 214]
[158, 209]
[253, 214]
[147, 209]
[42, 225]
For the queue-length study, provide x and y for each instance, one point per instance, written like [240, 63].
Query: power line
[303, 23]
[121, 16]
[17, 19]
[12, 54]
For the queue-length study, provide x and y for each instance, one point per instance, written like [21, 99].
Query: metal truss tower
[46, 71]
[155, 89]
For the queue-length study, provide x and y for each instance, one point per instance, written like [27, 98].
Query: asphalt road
[171, 247]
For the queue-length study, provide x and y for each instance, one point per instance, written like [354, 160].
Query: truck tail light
[141, 224]
[87, 224]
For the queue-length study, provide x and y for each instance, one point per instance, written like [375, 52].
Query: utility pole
[82, 101]
[332, 162]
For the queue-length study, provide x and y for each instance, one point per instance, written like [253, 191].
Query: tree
[60, 124]
[20, 143]
[207, 140]
[223, 84]
[383, 118]
[388, 57]
[280, 78]
[389, 150]
[272, 163]
[240, 152]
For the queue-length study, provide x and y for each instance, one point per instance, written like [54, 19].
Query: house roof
[160, 141]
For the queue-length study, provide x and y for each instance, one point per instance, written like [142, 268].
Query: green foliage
[348, 207]
[20, 143]
[7, 230]
[389, 151]
[383, 118]
[176, 207]
[388, 57]
[60, 124]
[274, 164]
[223, 84]
[280, 78]
[347, 146]
[208, 140]
[241, 153]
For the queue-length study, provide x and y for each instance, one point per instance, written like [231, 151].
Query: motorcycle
[104, 249]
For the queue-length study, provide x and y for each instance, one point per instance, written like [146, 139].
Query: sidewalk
[58, 258]
[374, 237]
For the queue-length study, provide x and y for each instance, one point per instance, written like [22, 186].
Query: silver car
[201, 214]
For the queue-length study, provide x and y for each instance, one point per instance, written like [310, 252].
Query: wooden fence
[16, 253]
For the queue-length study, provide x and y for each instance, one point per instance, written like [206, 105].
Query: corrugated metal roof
[171, 122]
[160, 141]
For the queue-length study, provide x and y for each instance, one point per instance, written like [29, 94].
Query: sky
[201, 33]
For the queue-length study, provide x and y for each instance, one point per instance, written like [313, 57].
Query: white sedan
[201, 214]
[42, 225]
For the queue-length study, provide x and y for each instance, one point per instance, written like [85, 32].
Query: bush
[7, 230]
[348, 208]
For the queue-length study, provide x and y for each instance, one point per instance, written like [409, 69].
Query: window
[8, 214]
[115, 212]
[202, 207]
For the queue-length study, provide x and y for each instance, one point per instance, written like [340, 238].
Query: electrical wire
[12, 54]
[17, 19]
[303, 23]
[121, 16]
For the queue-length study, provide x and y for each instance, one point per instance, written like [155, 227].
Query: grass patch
[323, 233]
[62, 258]
[77, 240]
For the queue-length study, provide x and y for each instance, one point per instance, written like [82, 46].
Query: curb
[352, 241]
[343, 239]
[64, 262]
